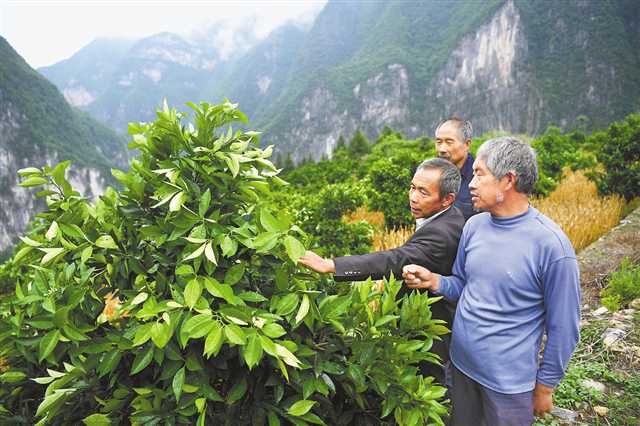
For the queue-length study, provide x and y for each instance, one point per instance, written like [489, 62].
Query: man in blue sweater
[515, 276]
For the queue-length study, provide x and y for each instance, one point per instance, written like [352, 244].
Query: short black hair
[450, 178]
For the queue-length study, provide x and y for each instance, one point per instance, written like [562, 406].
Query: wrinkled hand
[312, 261]
[419, 277]
[542, 399]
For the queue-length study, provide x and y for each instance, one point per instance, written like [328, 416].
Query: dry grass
[389, 239]
[581, 213]
[375, 219]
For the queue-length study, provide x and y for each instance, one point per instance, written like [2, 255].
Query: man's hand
[542, 399]
[419, 277]
[317, 263]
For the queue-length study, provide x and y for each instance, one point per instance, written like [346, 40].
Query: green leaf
[50, 254]
[237, 391]
[106, 241]
[234, 334]
[52, 399]
[141, 297]
[143, 333]
[177, 202]
[48, 343]
[273, 419]
[28, 241]
[205, 201]
[300, 408]
[178, 381]
[22, 253]
[29, 171]
[270, 223]
[214, 340]
[295, 249]
[274, 330]
[12, 377]
[192, 292]
[33, 181]
[161, 333]
[198, 326]
[196, 253]
[304, 308]
[208, 252]
[287, 356]
[97, 420]
[265, 241]
[164, 200]
[253, 351]
[234, 274]
[52, 232]
[229, 246]
[141, 361]
[86, 254]
[287, 304]
[233, 163]
[223, 291]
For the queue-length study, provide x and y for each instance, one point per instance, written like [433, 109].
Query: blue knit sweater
[514, 278]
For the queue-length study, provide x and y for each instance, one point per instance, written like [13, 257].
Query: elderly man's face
[450, 145]
[424, 197]
[487, 192]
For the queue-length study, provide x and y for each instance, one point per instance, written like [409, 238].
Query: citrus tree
[177, 300]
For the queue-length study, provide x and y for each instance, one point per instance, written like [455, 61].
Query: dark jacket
[463, 198]
[434, 246]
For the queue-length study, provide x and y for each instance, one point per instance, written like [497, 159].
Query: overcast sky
[45, 32]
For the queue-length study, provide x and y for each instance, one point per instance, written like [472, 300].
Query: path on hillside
[603, 256]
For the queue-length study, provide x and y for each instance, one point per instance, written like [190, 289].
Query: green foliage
[178, 301]
[618, 150]
[623, 286]
[556, 151]
[389, 170]
[358, 145]
[321, 214]
[592, 361]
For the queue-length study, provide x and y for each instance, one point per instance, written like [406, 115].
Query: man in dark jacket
[453, 141]
[435, 242]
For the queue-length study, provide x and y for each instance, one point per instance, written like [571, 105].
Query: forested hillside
[38, 127]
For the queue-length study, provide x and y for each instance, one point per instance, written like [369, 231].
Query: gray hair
[508, 154]
[449, 175]
[464, 126]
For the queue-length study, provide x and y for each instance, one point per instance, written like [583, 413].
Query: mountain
[517, 66]
[37, 128]
[511, 65]
[120, 81]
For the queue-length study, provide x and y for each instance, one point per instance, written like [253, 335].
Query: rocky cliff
[38, 128]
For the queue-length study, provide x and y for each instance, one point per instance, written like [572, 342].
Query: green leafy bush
[177, 300]
[618, 150]
[623, 287]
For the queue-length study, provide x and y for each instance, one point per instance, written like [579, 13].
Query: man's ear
[468, 143]
[449, 199]
[510, 181]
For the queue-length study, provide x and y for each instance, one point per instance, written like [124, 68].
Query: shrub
[177, 300]
[619, 153]
[623, 287]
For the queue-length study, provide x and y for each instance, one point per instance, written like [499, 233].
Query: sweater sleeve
[451, 286]
[562, 318]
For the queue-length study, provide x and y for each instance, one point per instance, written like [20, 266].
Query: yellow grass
[581, 213]
[388, 239]
[373, 218]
